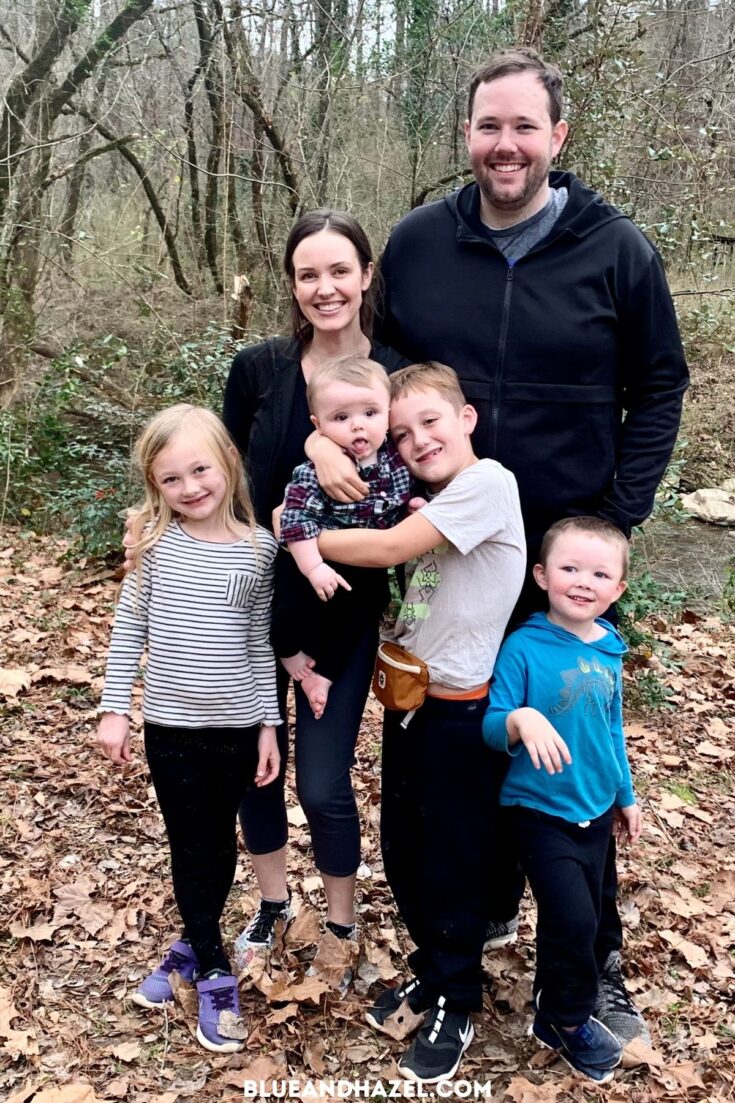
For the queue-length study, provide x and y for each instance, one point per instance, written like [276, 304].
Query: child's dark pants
[564, 864]
[439, 801]
[200, 776]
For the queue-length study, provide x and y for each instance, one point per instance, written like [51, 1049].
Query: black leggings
[200, 776]
[325, 754]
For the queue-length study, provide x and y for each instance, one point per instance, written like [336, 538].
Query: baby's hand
[627, 824]
[113, 738]
[326, 581]
[415, 504]
[542, 741]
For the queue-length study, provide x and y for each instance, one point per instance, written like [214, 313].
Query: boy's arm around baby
[509, 721]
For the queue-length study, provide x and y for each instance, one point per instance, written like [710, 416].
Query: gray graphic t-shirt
[460, 594]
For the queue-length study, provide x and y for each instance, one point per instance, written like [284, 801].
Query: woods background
[151, 151]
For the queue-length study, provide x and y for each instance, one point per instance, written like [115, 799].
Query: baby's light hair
[359, 371]
[590, 526]
[429, 375]
[199, 424]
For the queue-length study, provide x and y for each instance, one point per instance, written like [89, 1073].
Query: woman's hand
[269, 758]
[338, 477]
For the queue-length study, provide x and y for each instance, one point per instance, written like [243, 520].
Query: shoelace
[174, 960]
[223, 998]
[263, 922]
[618, 996]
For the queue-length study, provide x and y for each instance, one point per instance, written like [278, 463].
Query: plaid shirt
[309, 510]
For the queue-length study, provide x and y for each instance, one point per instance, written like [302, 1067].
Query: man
[554, 310]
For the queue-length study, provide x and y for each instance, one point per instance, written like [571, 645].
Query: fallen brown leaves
[87, 908]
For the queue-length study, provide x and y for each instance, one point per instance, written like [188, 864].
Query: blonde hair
[155, 515]
[590, 526]
[429, 375]
[359, 371]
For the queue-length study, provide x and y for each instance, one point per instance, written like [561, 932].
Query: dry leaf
[75, 1092]
[126, 1051]
[118, 1089]
[39, 932]
[13, 680]
[637, 1053]
[296, 816]
[314, 1056]
[17, 1042]
[402, 1022]
[230, 1025]
[72, 672]
[283, 1014]
[305, 929]
[695, 955]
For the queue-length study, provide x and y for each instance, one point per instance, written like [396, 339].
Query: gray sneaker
[501, 933]
[614, 1006]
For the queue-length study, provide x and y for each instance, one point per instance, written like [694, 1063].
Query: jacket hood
[540, 627]
[585, 210]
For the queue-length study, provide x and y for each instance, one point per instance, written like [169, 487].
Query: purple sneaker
[156, 989]
[219, 1009]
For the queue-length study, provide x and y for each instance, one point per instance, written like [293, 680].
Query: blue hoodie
[577, 687]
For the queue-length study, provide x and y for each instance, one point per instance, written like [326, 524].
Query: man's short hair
[591, 526]
[428, 375]
[359, 371]
[522, 59]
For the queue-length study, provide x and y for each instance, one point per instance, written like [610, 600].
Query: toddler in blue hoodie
[556, 709]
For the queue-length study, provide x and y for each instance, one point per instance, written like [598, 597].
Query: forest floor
[86, 905]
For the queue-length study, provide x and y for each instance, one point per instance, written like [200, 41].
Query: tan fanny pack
[400, 680]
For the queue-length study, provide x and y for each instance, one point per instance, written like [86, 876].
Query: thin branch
[96, 152]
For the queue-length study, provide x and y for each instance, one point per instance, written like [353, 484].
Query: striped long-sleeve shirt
[203, 612]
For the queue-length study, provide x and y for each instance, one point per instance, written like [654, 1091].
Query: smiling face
[194, 487]
[329, 282]
[432, 435]
[583, 576]
[355, 418]
[512, 142]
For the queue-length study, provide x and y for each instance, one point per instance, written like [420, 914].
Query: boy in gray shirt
[466, 560]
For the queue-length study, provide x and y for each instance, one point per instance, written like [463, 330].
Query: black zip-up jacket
[259, 397]
[571, 356]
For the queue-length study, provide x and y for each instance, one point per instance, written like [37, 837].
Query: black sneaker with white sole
[501, 932]
[437, 1049]
[388, 1004]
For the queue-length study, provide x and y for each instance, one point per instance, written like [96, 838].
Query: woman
[329, 264]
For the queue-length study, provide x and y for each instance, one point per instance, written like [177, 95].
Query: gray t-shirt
[515, 241]
[462, 592]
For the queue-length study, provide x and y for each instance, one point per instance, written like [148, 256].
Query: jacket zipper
[501, 360]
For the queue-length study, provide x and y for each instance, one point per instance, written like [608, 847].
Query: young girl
[199, 600]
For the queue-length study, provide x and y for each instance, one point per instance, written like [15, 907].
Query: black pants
[200, 776]
[565, 865]
[507, 880]
[325, 754]
[439, 801]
